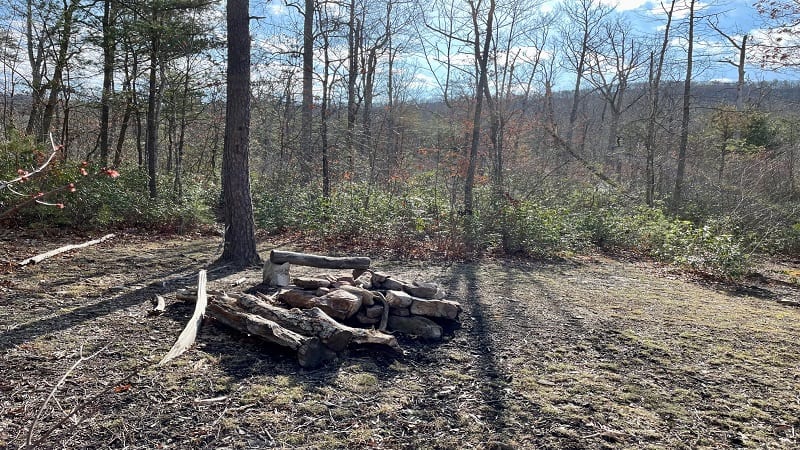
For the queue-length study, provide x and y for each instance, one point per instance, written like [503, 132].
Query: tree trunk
[108, 79]
[240, 242]
[308, 88]
[655, 86]
[151, 134]
[482, 61]
[58, 72]
[36, 61]
[353, 40]
[684, 140]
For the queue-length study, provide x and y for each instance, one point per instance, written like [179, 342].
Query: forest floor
[584, 352]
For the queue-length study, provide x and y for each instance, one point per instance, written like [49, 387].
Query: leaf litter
[589, 352]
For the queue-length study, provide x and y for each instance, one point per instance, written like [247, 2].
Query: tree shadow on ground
[161, 283]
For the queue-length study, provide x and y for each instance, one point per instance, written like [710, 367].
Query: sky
[736, 17]
[647, 17]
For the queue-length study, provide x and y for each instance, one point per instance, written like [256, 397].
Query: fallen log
[310, 351]
[189, 333]
[322, 262]
[41, 257]
[309, 322]
[282, 326]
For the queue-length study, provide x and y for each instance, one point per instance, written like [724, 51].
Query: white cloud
[277, 9]
[681, 10]
[625, 5]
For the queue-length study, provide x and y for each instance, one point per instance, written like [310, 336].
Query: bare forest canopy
[460, 123]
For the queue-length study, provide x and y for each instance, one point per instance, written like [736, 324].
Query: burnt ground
[587, 352]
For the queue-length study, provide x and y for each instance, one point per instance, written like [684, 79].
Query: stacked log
[411, 308]
[319, 317]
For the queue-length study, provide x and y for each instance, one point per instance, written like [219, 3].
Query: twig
[52, 394]
[26, 176]
[385, 315]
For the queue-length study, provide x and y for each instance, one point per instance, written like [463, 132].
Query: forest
[448, 129]
[510, 224]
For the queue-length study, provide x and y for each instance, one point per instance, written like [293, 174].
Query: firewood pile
[321, 316]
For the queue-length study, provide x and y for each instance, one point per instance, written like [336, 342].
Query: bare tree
[654, 90]
[685, 112]
[611, 69]
[582, 32]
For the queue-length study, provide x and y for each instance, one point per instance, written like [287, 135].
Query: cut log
[276, 274]
[42, 256]
[297, 298]
[308, 322]
[311, 283]
[445, 309]
[310, 351]
[367, 297]
[425, 290]
[363, 319]
[329, 336]
[338, 304]
[390, 284]
[374, 312]
[417, 326]
[400, 312]
[364, 281]
[323, 262]
[189, 333]
[399, 299]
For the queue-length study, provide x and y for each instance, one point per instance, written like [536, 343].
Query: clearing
[589, 352]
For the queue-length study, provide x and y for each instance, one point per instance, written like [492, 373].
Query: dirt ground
[587, 352]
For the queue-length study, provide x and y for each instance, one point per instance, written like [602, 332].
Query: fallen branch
[81, 359]
[41, 257]
[188, 335]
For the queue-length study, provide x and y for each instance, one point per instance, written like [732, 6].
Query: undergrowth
[418, 219]
[418, 222]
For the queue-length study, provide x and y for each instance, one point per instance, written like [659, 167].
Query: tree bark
[240, 242]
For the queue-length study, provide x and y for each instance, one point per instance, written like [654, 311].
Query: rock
[417, 326]
[399, 299]
[445, 309]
